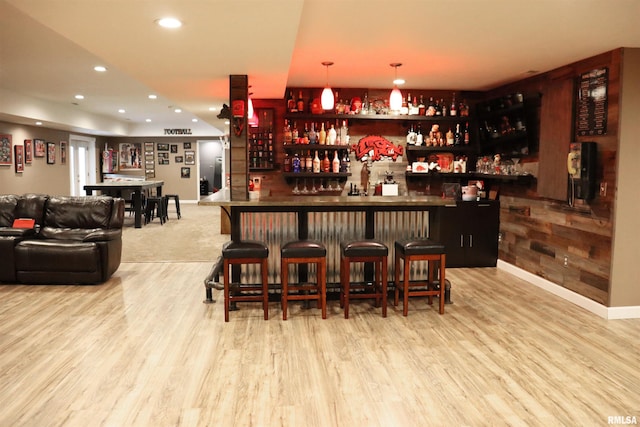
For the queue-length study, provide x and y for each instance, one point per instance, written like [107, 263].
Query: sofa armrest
[103, 235]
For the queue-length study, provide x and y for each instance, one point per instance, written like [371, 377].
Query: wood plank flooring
[143, 350]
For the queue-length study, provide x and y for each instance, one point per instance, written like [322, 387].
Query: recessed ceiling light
[398, 82]
[152, 96]
[79, 96]
[100, 68]
[38, 123]
[148, 120]
[169, 22]
[178, 110]
[212, 108]
[194, 120]
[121, 111]
[226, 122]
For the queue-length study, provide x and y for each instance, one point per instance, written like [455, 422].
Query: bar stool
[419, 250]
[372, 251]
[155, 206]
[304, 252]
[240, 253]
[176, 200]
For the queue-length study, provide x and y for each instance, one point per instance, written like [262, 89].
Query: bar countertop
[354, 201]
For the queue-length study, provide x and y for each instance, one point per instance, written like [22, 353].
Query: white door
[82, 163]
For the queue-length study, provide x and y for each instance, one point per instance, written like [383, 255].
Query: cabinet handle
[462, 240]
[470, 240]
[484, 205]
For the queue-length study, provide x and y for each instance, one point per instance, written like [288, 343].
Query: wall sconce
[395, 99]
[326, 100]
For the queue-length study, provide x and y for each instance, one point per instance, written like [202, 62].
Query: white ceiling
[48, 49]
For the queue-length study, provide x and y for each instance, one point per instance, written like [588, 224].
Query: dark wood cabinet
[469, 231]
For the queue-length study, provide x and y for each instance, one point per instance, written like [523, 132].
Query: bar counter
[330, 219]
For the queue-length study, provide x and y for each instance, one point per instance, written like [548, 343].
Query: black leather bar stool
[240, 253]
[176, 200]
[370, 251]
[419, 250]
[155, 206]
[304, 252]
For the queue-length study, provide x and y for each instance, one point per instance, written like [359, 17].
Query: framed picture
[174, 148]
[148, 146]
[5, 150]
[186, 145]
[130, 155]
[189, 157]
[51, 153]
[179, 159]
[19, 156]
[63, 152]
[28, 150]
[163, 147]
[150, 173]
[185, 172]
[39, 150]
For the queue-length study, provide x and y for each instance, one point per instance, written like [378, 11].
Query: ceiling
[48, 49]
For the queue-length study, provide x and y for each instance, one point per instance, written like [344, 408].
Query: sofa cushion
[89, 212]
[58, 255]
[31, 206]
[8, 203]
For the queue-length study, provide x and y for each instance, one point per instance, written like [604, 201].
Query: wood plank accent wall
[538, 232]
[239, 159]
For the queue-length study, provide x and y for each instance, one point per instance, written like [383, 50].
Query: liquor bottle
[365, 104]
[421, 107]
[414, 109]
[322, 135]
[348, 162]
[449, 137]
[294, 134]
[287, 162]
[287, 133]
[300, 103]
[291, 103]
[404, 110]
[309, 162]
[344, 162]
[438, 108]
[453, 110]
[411, 136]
[331, 136]
[419, 136]
[458, 136]
[305, 135]
[316, 163]
[466, 134]
[344, 133]
[295, 163]
[431, 108]
[336, 162]
[326, 163]
[313, 136]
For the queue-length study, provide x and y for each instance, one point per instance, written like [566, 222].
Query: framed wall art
[63, 152]
[174, 148]
[19, 158]
[130, 155]
[185, 172]
[39, 148]
[51, 153]
[189, 157]
[163, 147]
[28, 150]
[186, 145]
[179, 159]
[5, 149]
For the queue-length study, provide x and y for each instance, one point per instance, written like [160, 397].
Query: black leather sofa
[75, 240]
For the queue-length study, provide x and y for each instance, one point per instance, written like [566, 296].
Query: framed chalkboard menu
[591, 111]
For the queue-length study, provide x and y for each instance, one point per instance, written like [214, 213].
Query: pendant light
[395, 99]
[252, 117]
[327, 94]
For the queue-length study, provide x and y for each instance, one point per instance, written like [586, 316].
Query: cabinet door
[482, 222]
[451, 235]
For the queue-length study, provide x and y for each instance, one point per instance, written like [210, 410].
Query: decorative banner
[19, 152]
[28, 151]
[177, 132]
[375, 147]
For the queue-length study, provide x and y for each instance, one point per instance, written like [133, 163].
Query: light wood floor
[143, 350]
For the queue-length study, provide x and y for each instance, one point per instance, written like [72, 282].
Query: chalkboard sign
[591, 112]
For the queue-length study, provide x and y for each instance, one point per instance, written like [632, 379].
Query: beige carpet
[193, 238]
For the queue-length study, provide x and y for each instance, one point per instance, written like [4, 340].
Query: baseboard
[629, 312]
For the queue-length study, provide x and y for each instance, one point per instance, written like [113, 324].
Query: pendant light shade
[252, 117]
[395, 99]
[326, 98]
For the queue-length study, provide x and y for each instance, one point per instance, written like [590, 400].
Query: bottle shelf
[469, 175]
[367, 117]
[312, 147]
[319, 175]
[445, 148]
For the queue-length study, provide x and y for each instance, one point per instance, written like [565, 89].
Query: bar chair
[304, 252]
[407, 251]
